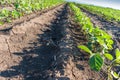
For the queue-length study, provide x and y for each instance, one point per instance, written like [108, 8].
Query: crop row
[98, 46]
[22, 7]
[109, 14]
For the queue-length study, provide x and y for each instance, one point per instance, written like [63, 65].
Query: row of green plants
[23, 7]
[6, 2]
[112, 15]
[99, 44]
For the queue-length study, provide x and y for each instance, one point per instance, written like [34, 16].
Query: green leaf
[96, 62]
[117, 53]
[1, 23]
[89, 45]
[115, 75]
[86, 49]
[108, 56]
[117, 61]
[110, 41]
[16, 5]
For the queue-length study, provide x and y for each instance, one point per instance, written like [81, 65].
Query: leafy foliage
[99, 44]
[107, 13]
[22, 7]
[96, 62]
[108, 56]
[85, 49]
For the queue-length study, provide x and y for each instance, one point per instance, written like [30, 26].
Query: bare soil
[110, 27]
[45, 48]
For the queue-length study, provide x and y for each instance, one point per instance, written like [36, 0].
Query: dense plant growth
[22, 7]
[98, 46]
[107, 13]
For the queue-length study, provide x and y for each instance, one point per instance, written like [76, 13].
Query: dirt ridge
[8, 26]
[45, 48]
[111, 28]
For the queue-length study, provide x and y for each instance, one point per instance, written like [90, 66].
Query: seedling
[98, 46]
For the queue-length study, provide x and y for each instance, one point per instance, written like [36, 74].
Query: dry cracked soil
[45, 48]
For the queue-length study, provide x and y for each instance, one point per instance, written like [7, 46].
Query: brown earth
[44, 48]
[111, 28]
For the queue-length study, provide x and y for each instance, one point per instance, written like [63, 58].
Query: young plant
[107, 13]
[95, 59]
[98, 46]
[15, 14]
[114, 62]
[22, 7]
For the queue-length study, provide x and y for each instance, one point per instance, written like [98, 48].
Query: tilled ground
[110, 27]
[23, 55]
[44, 48]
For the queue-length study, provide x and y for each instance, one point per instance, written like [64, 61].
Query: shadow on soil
[37, 61]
